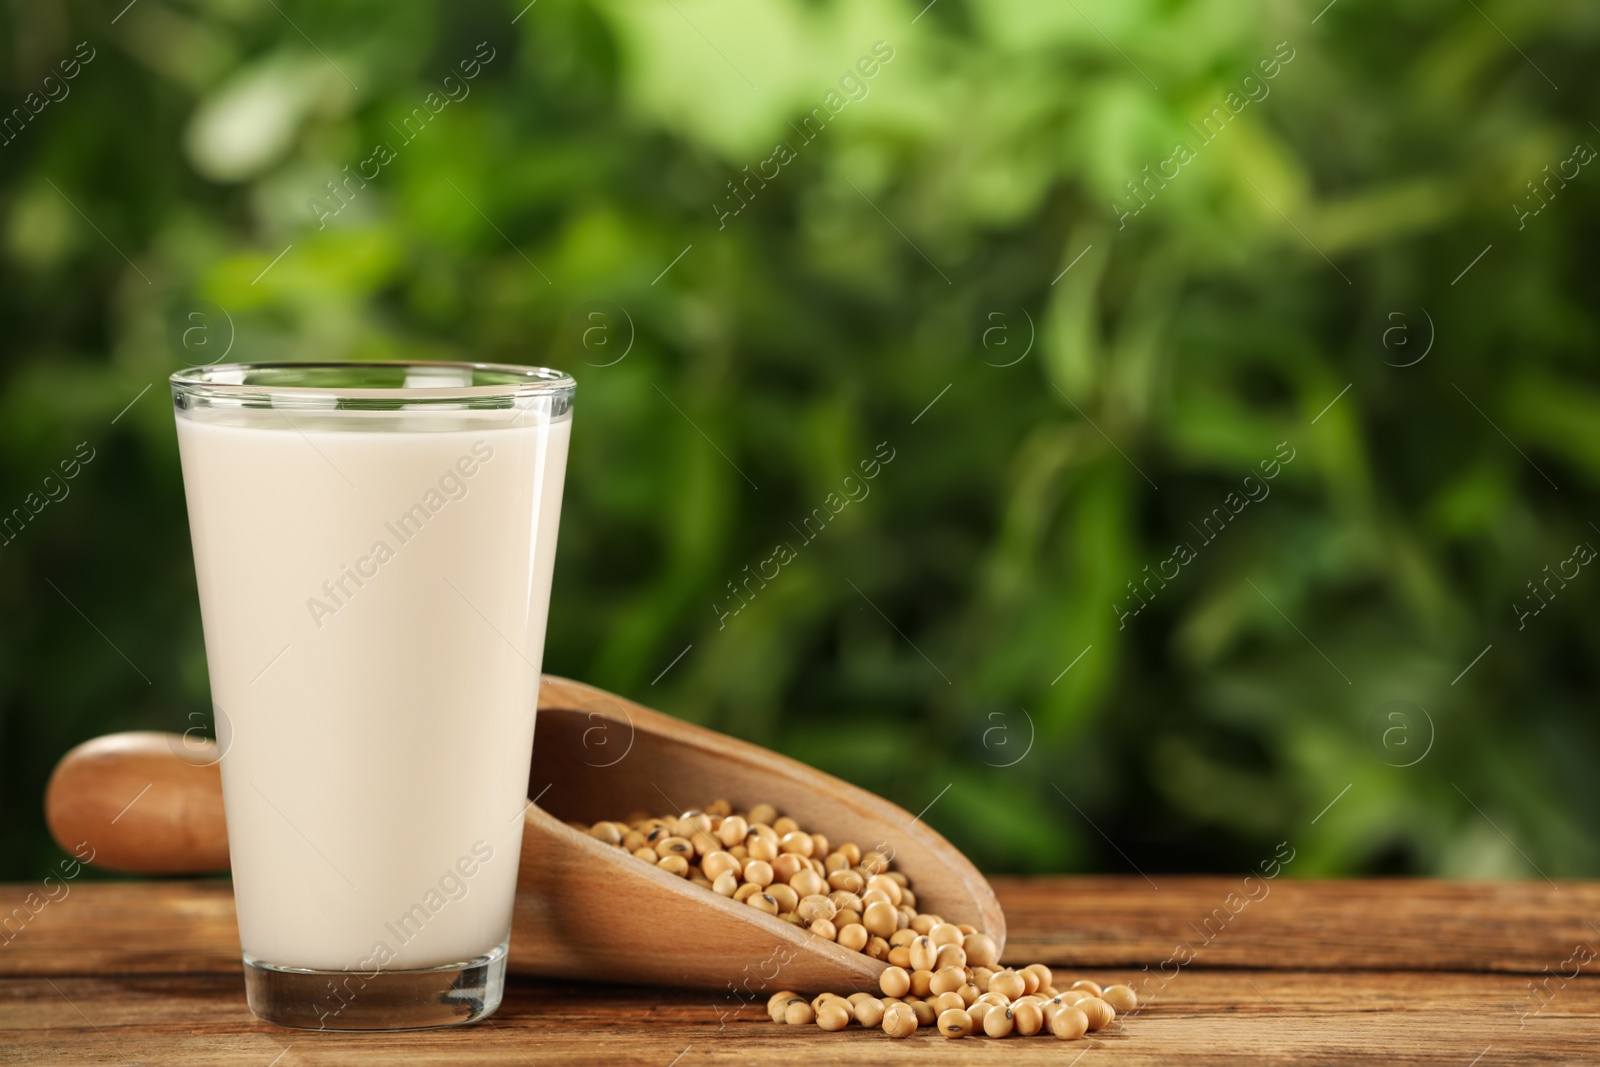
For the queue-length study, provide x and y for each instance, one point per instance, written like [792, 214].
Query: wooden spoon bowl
[584, 909]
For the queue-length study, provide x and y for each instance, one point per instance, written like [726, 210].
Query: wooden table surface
[1402, 972]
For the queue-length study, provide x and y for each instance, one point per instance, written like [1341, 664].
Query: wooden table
[1398, 972]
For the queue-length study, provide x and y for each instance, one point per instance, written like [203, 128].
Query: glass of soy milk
[373, 544]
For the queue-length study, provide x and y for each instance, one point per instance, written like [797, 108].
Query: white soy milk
[374, 609]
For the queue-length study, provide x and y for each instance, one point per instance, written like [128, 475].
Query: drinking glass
[373, 545]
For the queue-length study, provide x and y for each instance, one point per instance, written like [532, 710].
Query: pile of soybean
[769, 862]
[944, 975]
[958, 1000]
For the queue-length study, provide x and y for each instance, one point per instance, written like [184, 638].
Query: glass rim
[246, 381]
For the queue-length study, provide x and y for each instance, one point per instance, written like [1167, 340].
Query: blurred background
[1235, 363]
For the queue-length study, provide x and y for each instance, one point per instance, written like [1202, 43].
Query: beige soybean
[844, 900]
[955, 1022]
[998, 1022]
[947, 980]
[869, 1010]
[732, 830]
[1121, 998]
[807, 883]
[816, 908]
[779, 1002]
[833, 1016]
[1068, 1023]
[880, 918]
[980, 950]
[786, 866]
[674, 846]
[785, 895]
[856, 899]
[1097, 1011]
[899, 1020]
[1008, 983]
[718, 863]
[894, 982]
[1028, 1018]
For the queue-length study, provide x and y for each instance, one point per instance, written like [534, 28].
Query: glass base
[305, 999]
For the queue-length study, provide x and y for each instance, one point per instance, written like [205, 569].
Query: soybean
[1027, 1017]
[899, 1020]
[894, 982]
[955, 1022]
[1097, 1011]
[1068, 1024]
[943, 974]
[833, 1017]
[998, 1022]
[869, 1010]
[1121, 998]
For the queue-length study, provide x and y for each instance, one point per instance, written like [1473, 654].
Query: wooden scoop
[584, 909]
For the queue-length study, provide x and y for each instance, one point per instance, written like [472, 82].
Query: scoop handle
[143, 803]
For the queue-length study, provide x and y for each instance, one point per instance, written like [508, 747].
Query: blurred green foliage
[914, 252]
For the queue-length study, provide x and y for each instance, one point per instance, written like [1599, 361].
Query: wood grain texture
[184, 927]
[149, 973]
[1206, 1018]
[1376, 924]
